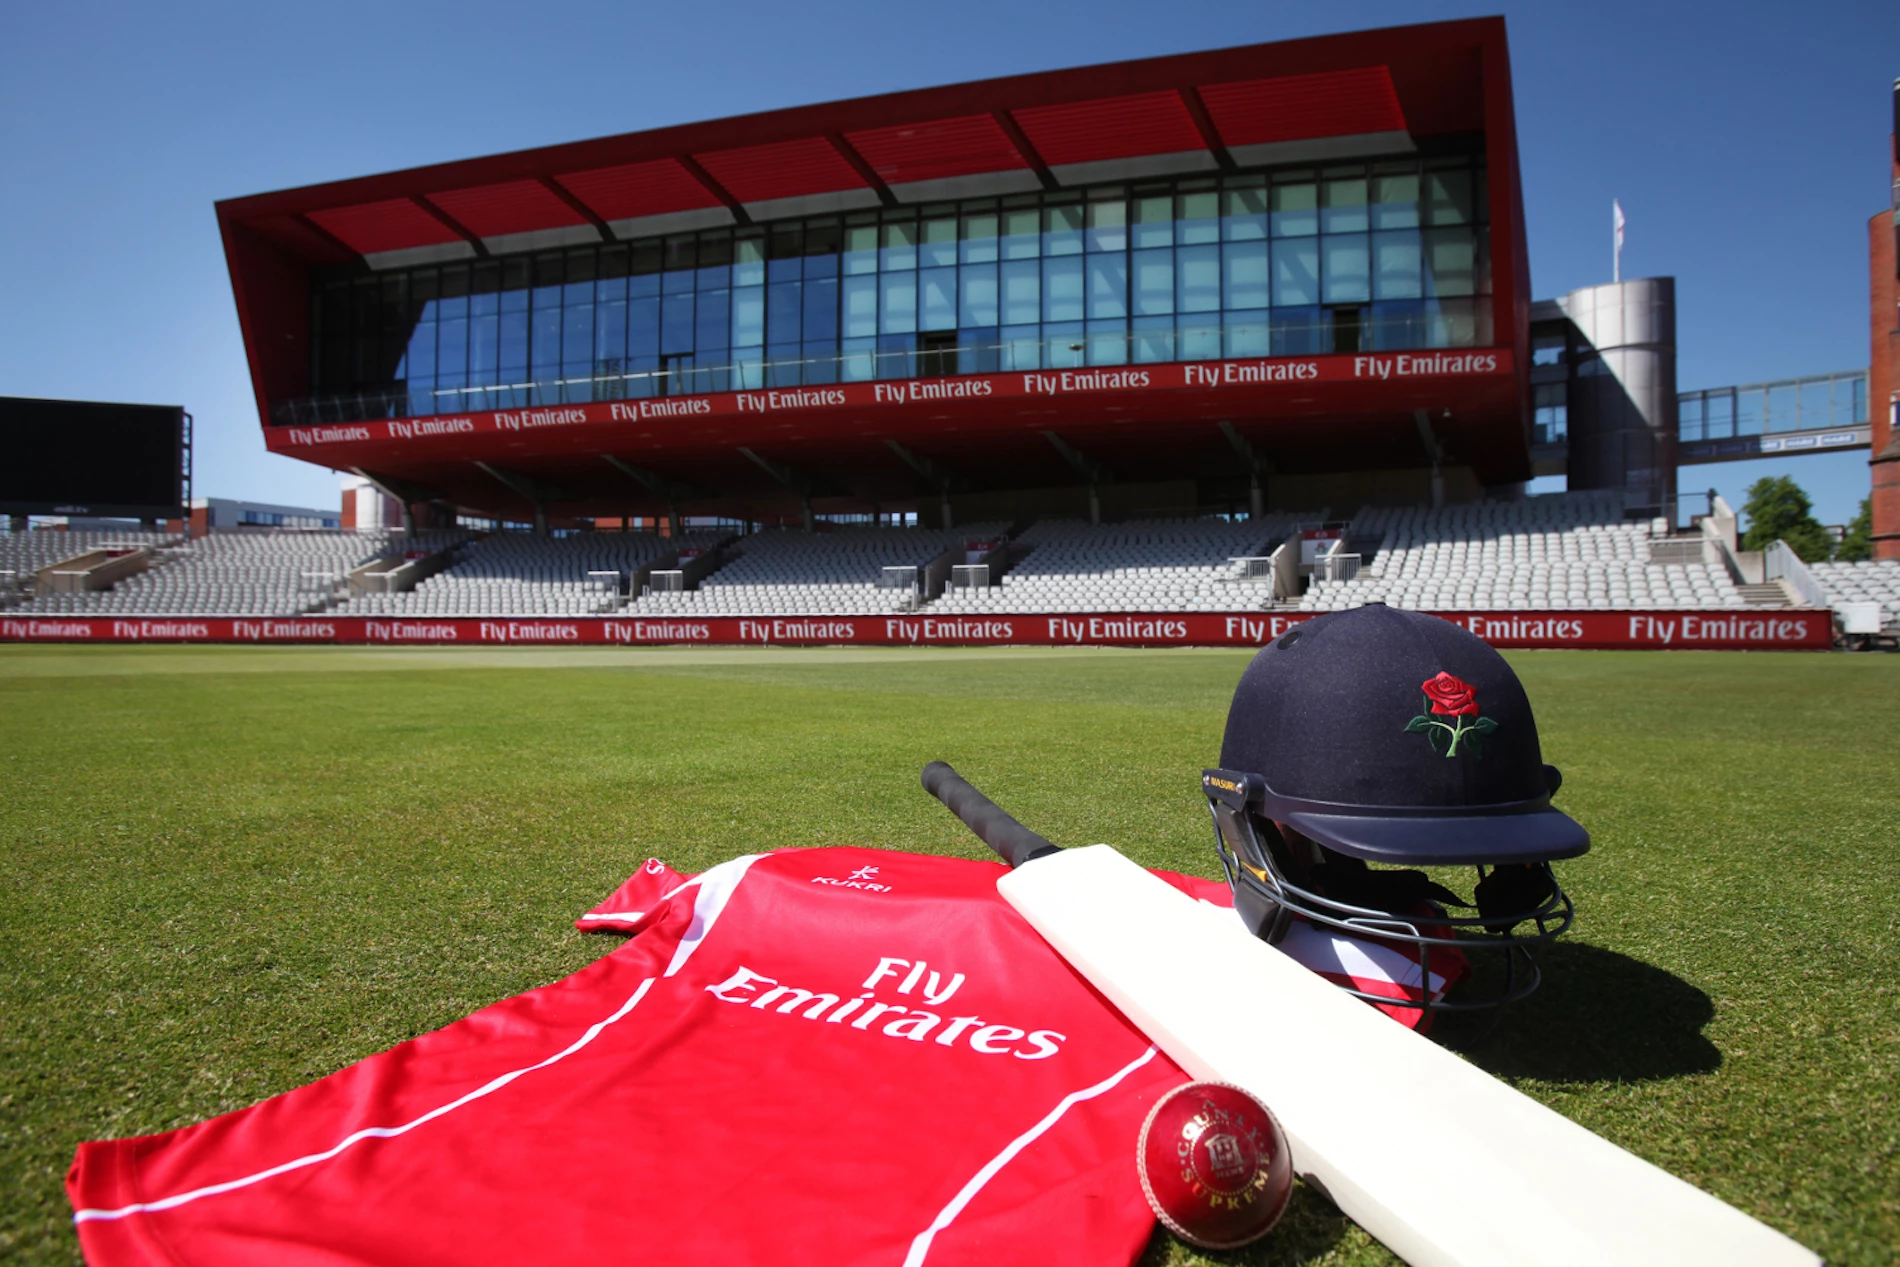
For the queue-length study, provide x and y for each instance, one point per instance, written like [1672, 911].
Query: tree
[1858, 544]
[1778, 508]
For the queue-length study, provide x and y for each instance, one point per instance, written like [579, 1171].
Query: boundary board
[1726, 630]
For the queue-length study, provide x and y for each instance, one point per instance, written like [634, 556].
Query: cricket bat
[1446, 1165]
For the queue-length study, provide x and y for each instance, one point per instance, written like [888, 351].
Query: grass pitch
[230, 871]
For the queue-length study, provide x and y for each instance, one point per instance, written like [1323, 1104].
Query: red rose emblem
[1451, 697]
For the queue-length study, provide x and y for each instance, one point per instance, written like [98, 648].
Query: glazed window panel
[1244, 281]
[1062, 293]
[1295, 273]
[897, 302]
[1108, 287]
[860, 307]
[1153, 282]
[937, 299]
[1397, 259]
[1022, 292]
[1197, 279]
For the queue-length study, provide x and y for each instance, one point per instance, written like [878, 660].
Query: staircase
[1766, 594]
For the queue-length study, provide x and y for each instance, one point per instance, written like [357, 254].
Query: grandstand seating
[1570, 551]
[263, 573]
[1173, 565]
[515, 574]
[24, 553]
[793, 573]
[1554, 552]
[1877, 581]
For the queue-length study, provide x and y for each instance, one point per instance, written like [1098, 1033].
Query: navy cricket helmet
[1365, 744]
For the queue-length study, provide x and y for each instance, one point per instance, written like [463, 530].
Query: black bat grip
[991, 823]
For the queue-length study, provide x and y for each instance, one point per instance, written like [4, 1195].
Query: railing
[1781, 563]
[759, 371]
[1336, 566]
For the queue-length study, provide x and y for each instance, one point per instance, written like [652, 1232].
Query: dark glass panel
[514, 346]
[1397, 324]
[897, 356]
[644, 258]
[784, 306]
[979, 353]
[1296, 331]
[823, 237]
[821, 309]
[681, 253]
[643, 328]
[676, 324]
[710, 327]
[545, 344]
[484, 352]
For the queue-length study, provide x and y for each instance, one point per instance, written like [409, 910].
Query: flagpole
[1616, 241]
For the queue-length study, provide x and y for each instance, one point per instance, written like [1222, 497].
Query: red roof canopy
[1302, 101]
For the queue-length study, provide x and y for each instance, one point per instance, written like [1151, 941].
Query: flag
[1616, 219]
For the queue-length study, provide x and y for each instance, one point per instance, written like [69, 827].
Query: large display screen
[77, 457]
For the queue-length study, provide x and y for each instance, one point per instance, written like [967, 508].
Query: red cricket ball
[1214, 1165]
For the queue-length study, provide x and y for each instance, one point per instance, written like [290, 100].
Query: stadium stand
[1569, 551]
[248, 573]
[1565, 551]
[1170, 565]
[1876, 581]
[24, 553]
[785, 572]
[515, 574]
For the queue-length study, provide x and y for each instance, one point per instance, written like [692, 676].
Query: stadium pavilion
[1285, 275]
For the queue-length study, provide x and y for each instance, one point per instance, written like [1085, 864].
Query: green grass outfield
[229, 871]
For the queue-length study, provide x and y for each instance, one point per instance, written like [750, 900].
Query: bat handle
[992, 825]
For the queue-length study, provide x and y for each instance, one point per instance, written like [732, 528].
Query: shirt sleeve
[627, 906]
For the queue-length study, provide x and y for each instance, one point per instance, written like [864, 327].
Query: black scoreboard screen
[77, 457]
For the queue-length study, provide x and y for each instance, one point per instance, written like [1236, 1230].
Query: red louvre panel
[785, 169]
[384, 226]
[1112, 127]
[1299, 107]
[937, 151]
[638, 189]
[515, 207]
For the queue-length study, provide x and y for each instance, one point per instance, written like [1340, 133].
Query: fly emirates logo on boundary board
[914, 979]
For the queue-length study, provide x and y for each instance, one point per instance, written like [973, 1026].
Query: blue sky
[1747, 142]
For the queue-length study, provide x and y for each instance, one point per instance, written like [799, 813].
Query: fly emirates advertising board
[1241, 379]
[1784, 630]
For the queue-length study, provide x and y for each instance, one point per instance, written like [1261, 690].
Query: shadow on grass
[1599, 1016]
[1310, 1228]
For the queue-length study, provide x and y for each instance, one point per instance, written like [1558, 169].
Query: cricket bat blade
[1446, 1165]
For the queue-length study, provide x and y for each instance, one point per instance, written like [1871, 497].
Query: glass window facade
[1368, 256]
[1820, 403]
